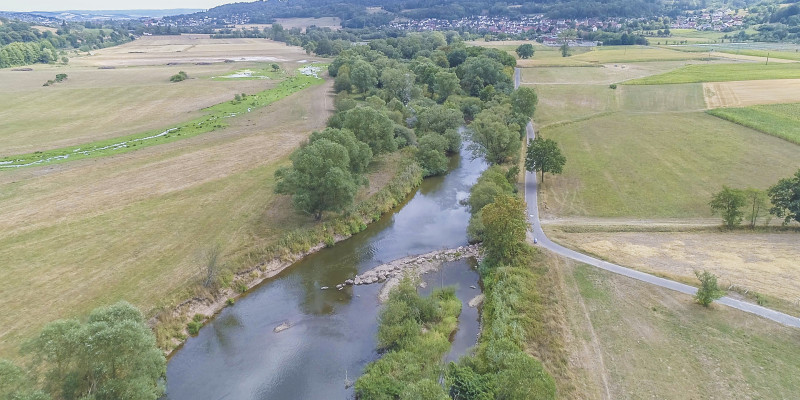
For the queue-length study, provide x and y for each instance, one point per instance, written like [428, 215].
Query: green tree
[505, 226]
[756, 204]
[492, 137]
[319, 179]
[544, 155]
[785, 197]
[363, 76]
[15, 384]
[445, 83]
[564, 50]
[372, 127]
[728, 203]
[438, 119]
[111, 356]
[359, 152]
[479, 72]
[431, 154]
[709, 289]
[342, 82]
[399, 82]
[525, 50]
[523, 102]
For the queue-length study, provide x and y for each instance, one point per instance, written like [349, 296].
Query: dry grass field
[94, 104]
[136, 226]
[749, 93]
[762, 262]
[629, 340]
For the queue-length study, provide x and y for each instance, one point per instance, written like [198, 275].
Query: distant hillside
[354, 13]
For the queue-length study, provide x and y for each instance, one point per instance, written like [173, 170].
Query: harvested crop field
[749, 93]
[761, 262]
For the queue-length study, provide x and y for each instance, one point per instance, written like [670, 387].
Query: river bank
[172, 325]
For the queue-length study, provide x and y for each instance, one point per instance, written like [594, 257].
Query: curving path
[531, 197]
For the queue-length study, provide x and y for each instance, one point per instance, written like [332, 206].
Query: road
[531, 197]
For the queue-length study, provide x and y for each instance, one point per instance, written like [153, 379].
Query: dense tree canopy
[370, 126]
[112, 356]
[525, 50]
[319, 179]
[492, 137]
[359, 152]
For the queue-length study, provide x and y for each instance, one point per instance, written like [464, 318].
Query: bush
[709, 290]
[180, 76]
[612, 86]
[193, 327]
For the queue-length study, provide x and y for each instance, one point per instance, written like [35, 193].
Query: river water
[332, 336]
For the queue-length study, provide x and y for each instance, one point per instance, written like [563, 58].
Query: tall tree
[363, 76]
[358, 151]
[492, 137]
[544, 155]
[785, 197]
[728, 203]
[371, 127]
[525, 50]
[756, 204]
[319, 179]
[505, 227]
[523, 101]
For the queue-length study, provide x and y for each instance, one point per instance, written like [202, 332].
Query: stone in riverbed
[349, 282]
[324, 288]
[282, 327]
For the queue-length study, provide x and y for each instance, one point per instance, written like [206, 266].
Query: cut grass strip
[721, 73]
[213, 120]
[779, 120]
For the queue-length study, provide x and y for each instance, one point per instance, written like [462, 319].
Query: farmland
[135, 226]
[779, 120]
[688, 156]
[643, 160]
[722, 73]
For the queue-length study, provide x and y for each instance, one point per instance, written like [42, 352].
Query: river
[332, 335]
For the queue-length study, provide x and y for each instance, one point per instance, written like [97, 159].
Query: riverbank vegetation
[414, 331]
[113, 355]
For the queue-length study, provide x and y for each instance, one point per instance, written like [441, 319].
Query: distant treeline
[22, 44]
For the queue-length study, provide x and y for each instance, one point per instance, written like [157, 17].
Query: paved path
[531, 197]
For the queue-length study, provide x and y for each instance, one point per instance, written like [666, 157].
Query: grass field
[785, 55]
[780, 120]
[214, 119]
[588, 56]
[630, 340]
[658, 165]
[722, 73]
[136, 226]
[758, 262]
[567, 103]
[596, 75]
[135, 96]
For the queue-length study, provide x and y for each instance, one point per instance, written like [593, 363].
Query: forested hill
[355, 13]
